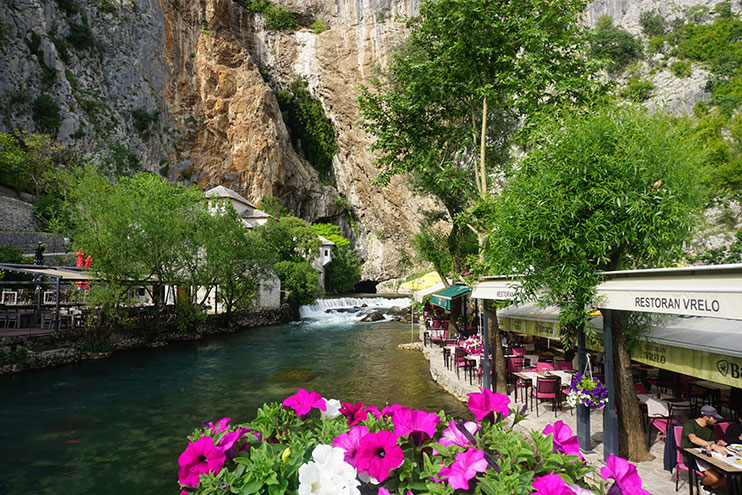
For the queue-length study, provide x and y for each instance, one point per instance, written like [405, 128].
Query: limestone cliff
[175, 87]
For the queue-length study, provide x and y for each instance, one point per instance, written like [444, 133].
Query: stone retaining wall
[16, 215]
[69, 346]
[26, 242]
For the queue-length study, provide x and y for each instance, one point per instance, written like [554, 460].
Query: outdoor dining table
[730, 466]
[565, 378]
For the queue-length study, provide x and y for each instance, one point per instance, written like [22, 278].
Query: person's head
[710, 415]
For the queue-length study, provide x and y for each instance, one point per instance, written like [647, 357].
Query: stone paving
[654, 478]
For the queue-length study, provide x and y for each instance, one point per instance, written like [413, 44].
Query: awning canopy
[495, 288]
[428, 280]
[444, 297]
[712, 291]
[707, 348]
[419, 295]
[63, 273]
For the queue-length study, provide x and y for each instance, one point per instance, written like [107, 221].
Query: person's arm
[706, 444]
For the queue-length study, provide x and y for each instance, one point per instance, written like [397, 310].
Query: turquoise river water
[117, 426]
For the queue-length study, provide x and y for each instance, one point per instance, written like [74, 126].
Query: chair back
[547, 388]
[515, 362]
[720, 429]
[518, 351]
[542, 366]
[436, 324]
[640, 388]
[563, 365]
[677, 431]
[444, 324]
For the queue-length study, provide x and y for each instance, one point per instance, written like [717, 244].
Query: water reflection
[119, 424]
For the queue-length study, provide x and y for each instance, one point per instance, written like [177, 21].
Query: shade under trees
[602, 189]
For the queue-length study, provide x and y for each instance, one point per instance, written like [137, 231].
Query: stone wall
[69, 346]
[26, 242]
[16, 215]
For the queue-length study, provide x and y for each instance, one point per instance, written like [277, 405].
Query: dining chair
[677, 431]
[563, 365]
[544, 366]
[518, 351]
[460, 361]
[547, 388]
[720, 429]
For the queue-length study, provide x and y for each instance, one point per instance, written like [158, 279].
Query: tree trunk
[499, 384]
[454, 316]
[631, 441]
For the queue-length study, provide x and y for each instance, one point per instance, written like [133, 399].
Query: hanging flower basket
[587, 390]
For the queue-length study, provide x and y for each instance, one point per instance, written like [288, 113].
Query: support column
[56, 306]
[583, 412]
[486, 374]
[610, 419]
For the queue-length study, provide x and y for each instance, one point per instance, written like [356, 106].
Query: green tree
[604, 189]
[331, 233]
[344, 271]
[614, 44]
[300, 280]
[469, 76]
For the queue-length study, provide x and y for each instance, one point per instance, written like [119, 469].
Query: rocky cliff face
[191, 69]
[175, 87]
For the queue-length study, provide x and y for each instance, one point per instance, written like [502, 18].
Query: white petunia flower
[333, 409]
[328, 473]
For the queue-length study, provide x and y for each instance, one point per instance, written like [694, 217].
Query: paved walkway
[654, 478]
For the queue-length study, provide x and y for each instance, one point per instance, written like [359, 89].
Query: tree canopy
[602, 189]
[426, 111]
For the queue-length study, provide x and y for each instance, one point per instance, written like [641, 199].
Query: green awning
[443, 298]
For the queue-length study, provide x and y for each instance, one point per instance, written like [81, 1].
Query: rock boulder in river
[374, 316]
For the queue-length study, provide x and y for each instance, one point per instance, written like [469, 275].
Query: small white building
[325, 256]
[251, 215]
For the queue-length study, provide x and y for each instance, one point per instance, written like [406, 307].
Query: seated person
[734, 432]
[699, 432]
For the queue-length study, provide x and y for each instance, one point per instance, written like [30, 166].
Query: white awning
[711, 291]
[495, 289]
[420, 294]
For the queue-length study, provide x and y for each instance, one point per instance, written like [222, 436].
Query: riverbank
[34, 351]
[654, 478]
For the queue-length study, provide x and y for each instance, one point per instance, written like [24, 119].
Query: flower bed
[309, 445]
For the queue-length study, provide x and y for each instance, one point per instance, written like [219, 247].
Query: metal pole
[486, 378]
[610, 420]
[583, 412]
[56, 307]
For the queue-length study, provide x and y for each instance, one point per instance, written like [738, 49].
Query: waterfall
[349, 309]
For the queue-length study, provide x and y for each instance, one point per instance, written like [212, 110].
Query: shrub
[318, 27]
[46, 114]
[59, 44]
[106, 6]
[656, 44]
[637, 89]
[67, 5]
[279, 18]
[344, 271]
[311, 131]
[652, 23]
[615, 44]
[681, 69]
[254, 6]
[300, 280]
[697, 13]
[143, 119]
[724, 10]
[80, 36]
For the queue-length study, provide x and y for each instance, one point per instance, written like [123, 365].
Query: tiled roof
[225, 192]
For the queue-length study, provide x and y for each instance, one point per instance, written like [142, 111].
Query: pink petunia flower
[414, 423]
[564, 439]
[453, 436]
[378, 453]
[551, 484]
[383, 491]
[220, 425]
[302, 402]
[199, 457]
[627, 479]
[373, 410]
[389, 409]
[464, 468]
[485, 402]
[355, 413]
[350, 442]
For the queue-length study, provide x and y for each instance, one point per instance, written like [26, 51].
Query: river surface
[117, 425]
